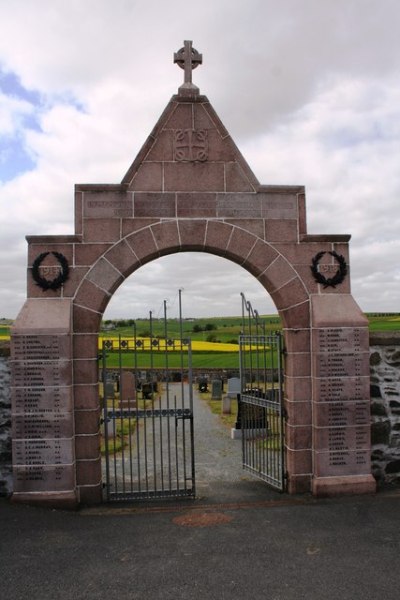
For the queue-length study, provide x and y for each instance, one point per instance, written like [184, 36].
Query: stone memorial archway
[189, 189]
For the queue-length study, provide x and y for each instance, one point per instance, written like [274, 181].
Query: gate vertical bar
[105, 421]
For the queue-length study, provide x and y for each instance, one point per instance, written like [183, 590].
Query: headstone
[203, 384]
[110, 389]
[216, 389]
[233, 387]
[127, 389]
[226, 405]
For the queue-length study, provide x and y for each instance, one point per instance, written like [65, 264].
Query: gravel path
[219, 473]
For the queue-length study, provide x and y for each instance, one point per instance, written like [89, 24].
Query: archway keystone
[189, 189]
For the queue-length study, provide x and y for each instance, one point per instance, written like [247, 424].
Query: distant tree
[144, 333]
[212, 338]
[210, 327]
[197, 328]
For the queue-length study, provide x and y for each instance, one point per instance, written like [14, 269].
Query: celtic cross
[188, 58]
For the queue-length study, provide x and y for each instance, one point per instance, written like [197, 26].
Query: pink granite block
[296, 317]
[143, 244]
[291, 294]
[37, 373]
[86, 396]
[260, 258]
[148, 204]
[105, 276]
[297, 340]
[343, 309]
[254, 226]
[343, 485]
[189, 177]
[87, 254]
[91, 296]
[86, 371]
[101, 230]
[278, 273]
[75, 277]
[326, 364]
[298, 389]
[298, 364]
[87, 421]
[88, 472]
[302, 253]
[148, 178]
[162, 149]
[87, 446]
[341, 413]
[58, 399]
[301, 202]
[220, 149]
[42, 425]
[298, 437]
[85, 320]
[166, 235]
[50, 262]
[240, 205]
[42, 478]
[192, 234]
[217, 123]
[202, 119]
[85, 345]
[217, 237]
[281, 230]
[132, 225]
[298, 413]
[343, 462]
[107, 204]
[78, 212]
[236, 179]
[340, 339]
[122, 258]
[298, 462]
[345, 389]
[181, 118]
[90, 494]
[299, 484]
[240, 245]
[342, 438]
[35, 291]
[196, 205]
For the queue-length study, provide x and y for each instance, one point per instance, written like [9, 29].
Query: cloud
[308, 90]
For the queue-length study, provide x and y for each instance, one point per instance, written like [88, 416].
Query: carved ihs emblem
[190, 145]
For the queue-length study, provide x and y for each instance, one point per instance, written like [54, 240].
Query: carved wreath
[339, 275]
[52, 284]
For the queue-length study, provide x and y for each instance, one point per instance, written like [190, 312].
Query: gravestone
[127, 390]
[110, 389]
[233, 387]
[216, 389]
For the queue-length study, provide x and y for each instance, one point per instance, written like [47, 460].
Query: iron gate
[147, 425]
[261, 413]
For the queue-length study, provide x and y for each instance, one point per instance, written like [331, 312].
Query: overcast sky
[308, 89]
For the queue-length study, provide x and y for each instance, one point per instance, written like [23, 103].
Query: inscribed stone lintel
[336, 438]
[43, 426]
[341, 414]
[34, 452]
[44, 399]
[344, 389]
[342, 462]
[44, 478]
